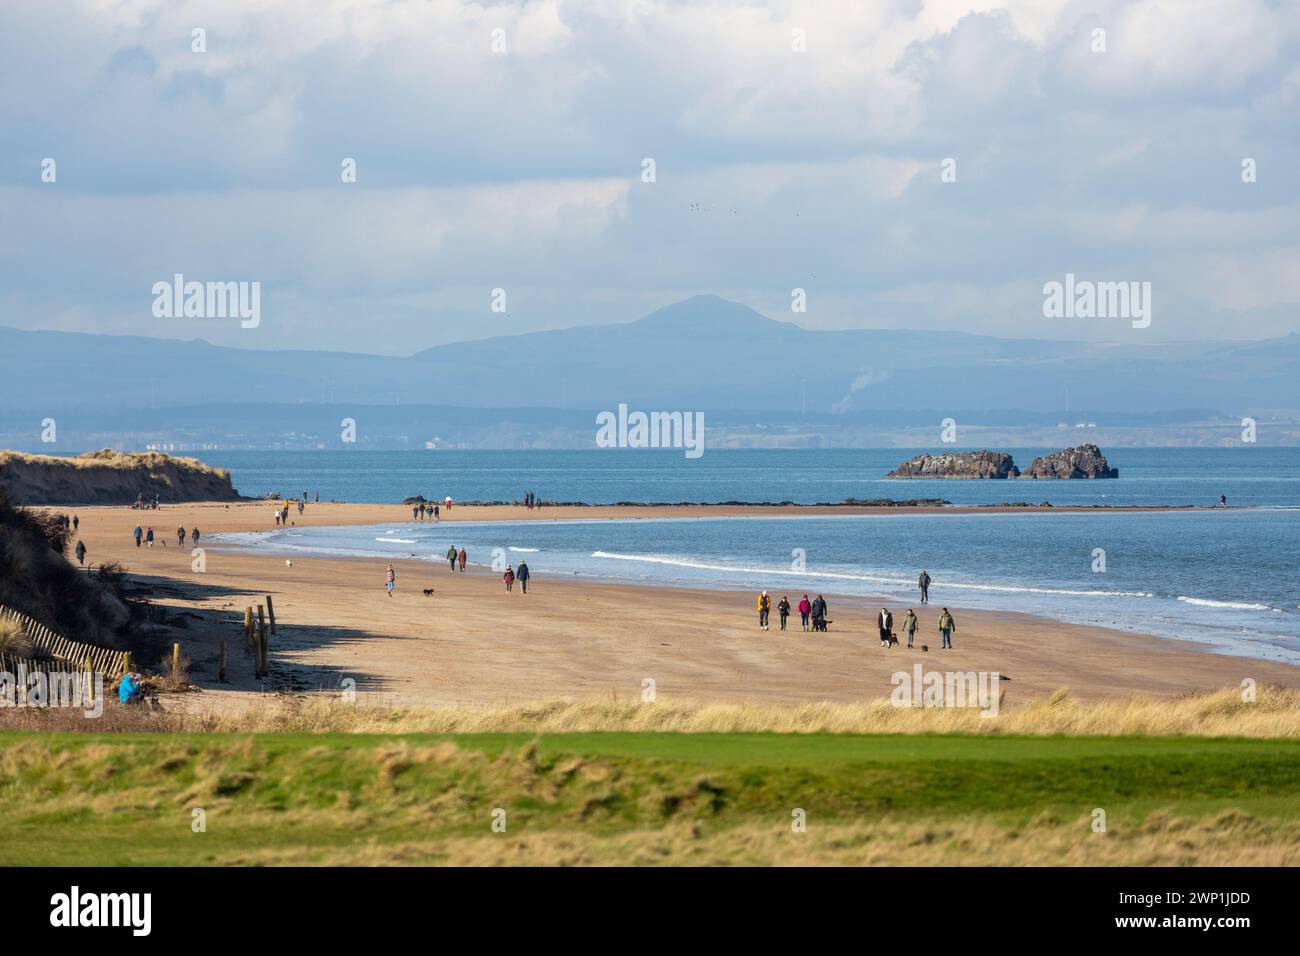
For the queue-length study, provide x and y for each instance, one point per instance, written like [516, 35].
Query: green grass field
[119, 799]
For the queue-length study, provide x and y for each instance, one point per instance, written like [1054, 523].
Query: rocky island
[1084, 461]
[960, 464]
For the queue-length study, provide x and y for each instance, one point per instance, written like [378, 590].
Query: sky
[905, 164]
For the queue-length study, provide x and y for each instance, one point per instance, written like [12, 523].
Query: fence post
[270, 612]
[248, 628]
[176, 660]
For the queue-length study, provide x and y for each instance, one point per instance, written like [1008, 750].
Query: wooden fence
[78, 656]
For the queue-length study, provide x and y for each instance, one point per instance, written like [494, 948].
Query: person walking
[415, 513]
[819, 609]
[509, 578]
[437, 513]
[805, 608]
[909, 626]
[194, 537]
[764, 609]
[139, 533]
[390, 580]
[81, 551]
[463, 557]
[180, 537]
[923, 582]
[521, 575]
[75, 521]
[885, 622]
[451, 558]
[148, 538]
[946, 627]
[784, 610]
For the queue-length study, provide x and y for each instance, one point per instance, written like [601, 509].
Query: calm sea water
[1148, 476]
[1225, 578]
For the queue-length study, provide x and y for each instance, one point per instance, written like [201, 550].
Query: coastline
[471, 643]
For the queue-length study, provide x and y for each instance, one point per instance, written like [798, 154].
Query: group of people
[458, 557]
[511, 576]
[813, 613]
[426, 509]
[885, 624]
[530, 500]
[145, 536]
[142, 505]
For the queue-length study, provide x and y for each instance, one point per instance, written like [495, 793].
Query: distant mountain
[704, 353]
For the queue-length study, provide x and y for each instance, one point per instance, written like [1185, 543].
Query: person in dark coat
[885, 622]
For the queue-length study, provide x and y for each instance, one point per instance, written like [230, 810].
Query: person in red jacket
[805, 608]
[509, 578]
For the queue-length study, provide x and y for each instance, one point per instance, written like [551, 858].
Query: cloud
[775, 168]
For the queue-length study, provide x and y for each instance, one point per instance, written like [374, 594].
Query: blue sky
[796, 145]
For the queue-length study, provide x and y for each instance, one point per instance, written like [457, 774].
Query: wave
[529, 550]
[1227, 605]
[874, 579]
[397, 540]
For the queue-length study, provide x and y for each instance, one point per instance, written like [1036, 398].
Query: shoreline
[471, 643]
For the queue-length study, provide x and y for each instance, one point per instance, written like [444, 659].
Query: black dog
[428, 592]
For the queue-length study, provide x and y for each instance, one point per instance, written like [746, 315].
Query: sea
[1229, 579]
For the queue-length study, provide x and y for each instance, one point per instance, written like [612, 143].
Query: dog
[428, 592]
[893, 639]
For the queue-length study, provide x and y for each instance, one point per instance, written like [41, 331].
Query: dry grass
[1229, 839]
[1275, 713]
[14, 641]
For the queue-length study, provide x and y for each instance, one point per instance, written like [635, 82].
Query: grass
[1274, 713]
[591, 798]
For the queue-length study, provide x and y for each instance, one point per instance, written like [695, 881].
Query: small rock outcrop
[1084, 461]
[960, 464]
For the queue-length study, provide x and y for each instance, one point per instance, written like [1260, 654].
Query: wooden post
[260, 650]
[270, 612]
[176, 660]
[221, 665]
[248, 628]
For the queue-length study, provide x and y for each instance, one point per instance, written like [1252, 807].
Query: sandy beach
[472, 643]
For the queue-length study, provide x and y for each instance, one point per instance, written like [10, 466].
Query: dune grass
[120, 799]
[1274, 713]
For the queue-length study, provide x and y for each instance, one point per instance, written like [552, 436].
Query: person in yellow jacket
[764, 608]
